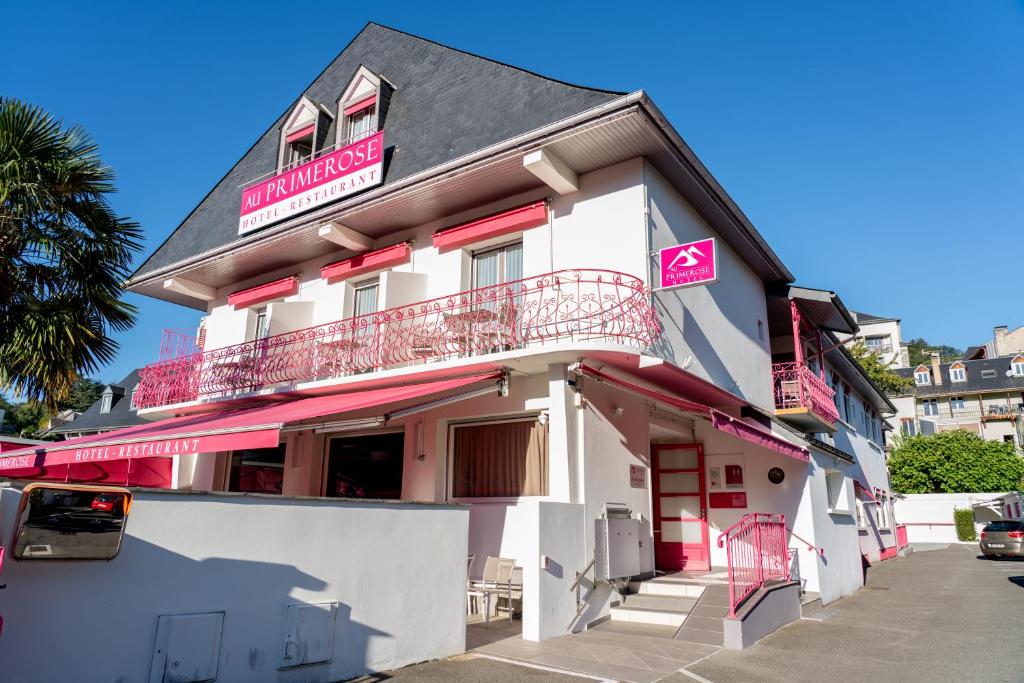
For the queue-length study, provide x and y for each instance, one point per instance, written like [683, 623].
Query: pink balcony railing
[756, 552]
[796, 386]
[581, 305]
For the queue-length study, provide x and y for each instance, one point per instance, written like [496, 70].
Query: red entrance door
[680, 513]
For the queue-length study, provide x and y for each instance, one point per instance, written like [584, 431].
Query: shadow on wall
[700, 347]
[120, 602]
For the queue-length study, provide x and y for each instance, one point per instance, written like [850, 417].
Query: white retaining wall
[929, 516]
[397, 572]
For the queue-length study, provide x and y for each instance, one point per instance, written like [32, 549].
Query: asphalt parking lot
[941, 615]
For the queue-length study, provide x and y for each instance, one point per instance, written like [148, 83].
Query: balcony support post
[821, 356]
[798, 350]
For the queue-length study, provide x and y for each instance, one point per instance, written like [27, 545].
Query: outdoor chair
[496, 580]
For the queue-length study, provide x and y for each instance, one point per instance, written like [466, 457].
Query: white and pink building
[437, 278]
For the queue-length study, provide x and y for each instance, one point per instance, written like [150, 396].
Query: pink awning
[268, 290]
[496, 225]
[757, 435]
[257, 427]
[380, 259]
[299, 134]
[864, 491]
[721, 421]
[362, 104]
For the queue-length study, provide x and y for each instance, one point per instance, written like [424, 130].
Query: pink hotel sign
[685, 265]
[322, 180]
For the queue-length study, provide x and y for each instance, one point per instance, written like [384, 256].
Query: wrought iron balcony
[576, 305]
[804, 398]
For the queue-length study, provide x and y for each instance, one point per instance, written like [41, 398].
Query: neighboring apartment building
[114, 409]
[1004, 342]
[440, 278]
[882, 336]
[985, 396]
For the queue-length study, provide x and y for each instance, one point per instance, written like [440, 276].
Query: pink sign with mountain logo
[693, 263]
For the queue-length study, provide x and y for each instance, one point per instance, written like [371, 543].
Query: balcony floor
[805, 419]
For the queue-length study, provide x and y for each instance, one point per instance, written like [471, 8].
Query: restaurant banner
[315, 183]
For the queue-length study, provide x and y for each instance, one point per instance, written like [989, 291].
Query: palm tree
[64, 255]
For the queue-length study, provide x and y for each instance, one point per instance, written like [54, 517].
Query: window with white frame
[847, 405]
[908, 426]
[837, 488]
[930, 406]
[106, 400]
[862, 522]
[1017, 366]
[957, 404]
[882, 512]
[957, 373]
[922, 377]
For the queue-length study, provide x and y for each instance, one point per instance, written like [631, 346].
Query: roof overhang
[822, 308]
[625, 128]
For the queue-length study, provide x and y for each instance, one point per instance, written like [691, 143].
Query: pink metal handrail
[756, 552]
[796, 386]
[581, 305]
[810, 546]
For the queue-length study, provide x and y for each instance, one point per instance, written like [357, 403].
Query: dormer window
[299, 146]
[106, 400]
[922, 377]
[302, 134]
[1017, 366]
[957, 373]
[361, 107]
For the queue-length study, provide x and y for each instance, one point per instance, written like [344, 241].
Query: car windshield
[1005, 525]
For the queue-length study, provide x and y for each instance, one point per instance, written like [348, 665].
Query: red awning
[721, 421]
[513, 220]
[757, 434]
[299, 134]
[362, 104]
[257, 427]
[864, 490]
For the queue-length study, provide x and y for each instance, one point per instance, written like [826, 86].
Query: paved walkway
[941, 615]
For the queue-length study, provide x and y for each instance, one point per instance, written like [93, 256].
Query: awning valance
[864, 491]
[719, 420]
[256, 427]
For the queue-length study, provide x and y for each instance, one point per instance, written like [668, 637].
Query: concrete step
[667, 587]
[809, 602]
[667, 603]
[641, 615]
[626, 628]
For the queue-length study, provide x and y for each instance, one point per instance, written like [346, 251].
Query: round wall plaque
[776, 475]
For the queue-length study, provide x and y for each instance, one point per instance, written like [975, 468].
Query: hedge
[964, 520]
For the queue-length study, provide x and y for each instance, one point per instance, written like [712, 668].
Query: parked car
[1003, 538]
[107, 502]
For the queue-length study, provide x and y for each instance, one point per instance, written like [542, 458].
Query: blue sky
[878, 146]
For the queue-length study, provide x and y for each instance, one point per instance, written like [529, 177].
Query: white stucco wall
[929, 516]
[840, 572]
[397, 571]
[716, 324]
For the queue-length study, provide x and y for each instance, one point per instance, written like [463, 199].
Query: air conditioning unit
[616, 544]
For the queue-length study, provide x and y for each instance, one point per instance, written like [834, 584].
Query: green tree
[954, 462]
[84, 392]
[64, 254]
[920, 351]
[886, 380]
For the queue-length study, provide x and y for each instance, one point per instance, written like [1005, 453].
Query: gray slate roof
[865, 318]
[446, 104]
[975, 383]
[120, 415]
